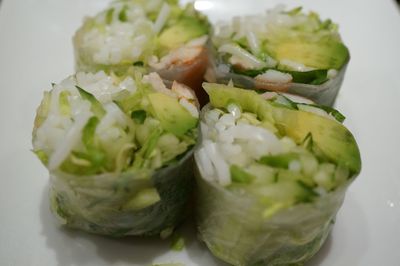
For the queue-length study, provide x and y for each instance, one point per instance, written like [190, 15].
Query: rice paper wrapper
[234, 229]
[324, 94]
[100, 204]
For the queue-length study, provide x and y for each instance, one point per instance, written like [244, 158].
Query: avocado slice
[332, 138]
[173, 116]
[322, 54]
[223, 95]
[184, 30]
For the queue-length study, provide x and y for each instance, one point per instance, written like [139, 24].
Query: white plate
[36, 49]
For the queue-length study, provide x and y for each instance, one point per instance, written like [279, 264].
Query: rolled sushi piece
[281, 50]
[119, 152]
[153, 35]
[271, 176]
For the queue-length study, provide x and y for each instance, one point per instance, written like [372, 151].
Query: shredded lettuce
[279, 161]
[65, 108]
[239, 175]
[139, 116]
[177, 242]
[88, 133]
[142, 156]
[122, 14]
[96, 106]
[42, 155]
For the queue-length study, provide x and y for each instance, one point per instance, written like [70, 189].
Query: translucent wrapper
[324, 94]
[100, 204]
[263, 210]
[235, 231]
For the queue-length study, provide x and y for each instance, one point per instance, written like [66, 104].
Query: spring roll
[271, 176]
[153, 35]
[118, 151]
[280, 50]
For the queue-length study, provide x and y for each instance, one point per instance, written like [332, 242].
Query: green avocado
[223, 95]
[331, 137]
[334, 140]
[184, 30]
[322, 54]
[172, 115]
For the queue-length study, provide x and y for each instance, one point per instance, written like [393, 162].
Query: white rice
[241, 56]
[71, 139]
[101, 85]
[120, 41]
[220, 165]
[332, 73]
[315, 110]
[227, 141]
[274, 76]
[296, 66]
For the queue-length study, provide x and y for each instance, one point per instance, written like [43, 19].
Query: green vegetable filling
[321, 153]
[311, 42]
[161, 132]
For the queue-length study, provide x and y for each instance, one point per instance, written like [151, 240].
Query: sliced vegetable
[239, 175]
[172, 115]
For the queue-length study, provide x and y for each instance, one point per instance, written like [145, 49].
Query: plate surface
[36, 49]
